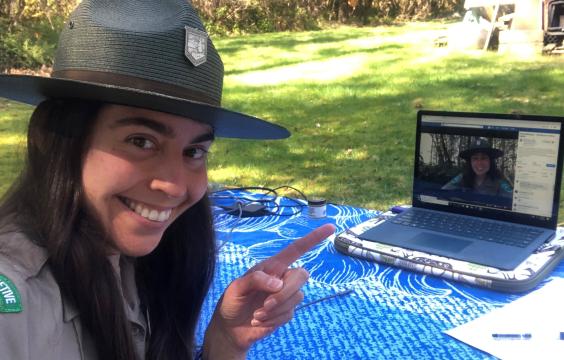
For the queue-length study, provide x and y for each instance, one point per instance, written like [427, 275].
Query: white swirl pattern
[388, 313]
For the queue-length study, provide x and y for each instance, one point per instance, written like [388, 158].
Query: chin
[138, 247]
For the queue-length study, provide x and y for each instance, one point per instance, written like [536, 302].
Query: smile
[147, 212]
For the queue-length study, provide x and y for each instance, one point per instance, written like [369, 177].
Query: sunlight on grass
[18, 139]
[353, 154]
[320, 71]
[226, 174]
[349, 96]
[353, 127]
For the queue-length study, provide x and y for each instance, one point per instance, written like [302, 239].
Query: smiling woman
[143, 169]
[106, 238]
[480, 174]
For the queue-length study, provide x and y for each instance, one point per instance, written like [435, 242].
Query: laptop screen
[505, 167]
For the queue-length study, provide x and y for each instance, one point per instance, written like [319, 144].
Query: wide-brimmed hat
[480, 145]
[143, 53]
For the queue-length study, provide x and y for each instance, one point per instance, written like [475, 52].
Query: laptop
[486, 188]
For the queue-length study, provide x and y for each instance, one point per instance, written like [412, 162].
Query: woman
[480, 173]
[106, 239]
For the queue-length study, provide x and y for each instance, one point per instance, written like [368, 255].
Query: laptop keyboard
[503, 233]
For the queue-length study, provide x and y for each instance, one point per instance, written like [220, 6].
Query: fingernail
[259, 315]
[269, 304]
[255, 322]
[274, 283]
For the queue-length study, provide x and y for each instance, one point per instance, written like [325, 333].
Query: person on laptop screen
[480, 173]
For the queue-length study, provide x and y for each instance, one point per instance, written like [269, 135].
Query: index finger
[299, 247]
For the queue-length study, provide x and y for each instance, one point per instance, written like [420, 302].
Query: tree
[14, 12]
[29, 30]
[359, 11]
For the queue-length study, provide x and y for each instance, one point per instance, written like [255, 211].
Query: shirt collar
[27, 257]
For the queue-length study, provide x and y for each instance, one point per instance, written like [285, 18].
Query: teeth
[147, 213]
[163, 216]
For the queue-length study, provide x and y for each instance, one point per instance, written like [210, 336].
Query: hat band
[134, 83]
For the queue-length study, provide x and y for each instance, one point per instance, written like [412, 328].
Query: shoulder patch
[10, 300]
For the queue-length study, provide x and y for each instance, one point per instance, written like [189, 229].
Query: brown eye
[195, 153]
[141, 142]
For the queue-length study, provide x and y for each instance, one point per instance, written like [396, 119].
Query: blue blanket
[353, 308]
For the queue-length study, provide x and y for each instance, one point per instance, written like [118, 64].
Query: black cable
[293, 188]
[268, 190]
[270, 206]
[230, 234]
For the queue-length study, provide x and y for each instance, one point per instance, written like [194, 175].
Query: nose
[171, 178]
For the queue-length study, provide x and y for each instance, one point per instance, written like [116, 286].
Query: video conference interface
[534, 159]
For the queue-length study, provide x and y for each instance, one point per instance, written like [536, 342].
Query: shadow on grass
[361, 146]
[10, 165]
[288, 41]
[353, 138]
[320, 55]
[14, 117]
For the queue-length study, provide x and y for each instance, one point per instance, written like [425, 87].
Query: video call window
[471, 169]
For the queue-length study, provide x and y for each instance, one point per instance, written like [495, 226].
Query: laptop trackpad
[439, 242]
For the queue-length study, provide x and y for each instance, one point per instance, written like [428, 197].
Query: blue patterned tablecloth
[388, 313]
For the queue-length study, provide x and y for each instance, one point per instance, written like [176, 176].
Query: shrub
[29, 30]
[223, 17]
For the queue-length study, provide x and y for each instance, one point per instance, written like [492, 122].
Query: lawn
[349, 96]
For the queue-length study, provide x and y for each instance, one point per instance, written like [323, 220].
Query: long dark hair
[468, 175]
[47, 203]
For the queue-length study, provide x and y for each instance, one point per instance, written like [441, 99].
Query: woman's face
[480, 163]
[142, 170]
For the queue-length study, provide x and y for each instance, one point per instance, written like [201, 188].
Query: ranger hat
[481, 145]
[143, 53]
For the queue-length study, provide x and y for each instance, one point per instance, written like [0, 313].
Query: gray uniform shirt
[48, 326]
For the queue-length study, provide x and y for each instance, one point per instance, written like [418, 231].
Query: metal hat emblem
[196, 47]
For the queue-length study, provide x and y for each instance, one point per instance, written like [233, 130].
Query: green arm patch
[10, 300]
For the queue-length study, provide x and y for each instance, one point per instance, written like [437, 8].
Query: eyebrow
[209, 136]
[159, 127]
[142, 121]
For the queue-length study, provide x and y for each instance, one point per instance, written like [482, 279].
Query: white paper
[539, 313]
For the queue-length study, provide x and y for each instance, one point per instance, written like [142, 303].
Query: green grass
[349, 95]
[13, 123]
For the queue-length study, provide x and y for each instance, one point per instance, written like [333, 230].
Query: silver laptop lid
[499, 166]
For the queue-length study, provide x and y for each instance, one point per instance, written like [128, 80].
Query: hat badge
[196, 47]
